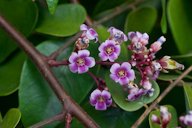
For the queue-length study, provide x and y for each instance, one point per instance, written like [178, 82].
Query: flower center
[80, 61]
[101, 99]
[122, 73]
[109, 50]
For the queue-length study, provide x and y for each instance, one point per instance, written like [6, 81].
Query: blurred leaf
[103, 34]
[179, 17]
[167, 77]
[11, 118]
[188, 95]
[119, 95]
[163, 18]
[10, 72]
[65, 22]
[1, 119]
[188, 55]
[36, 97]
[141, 19]
[22, 14]
[124, 53]
[172, 124]
[52, 5]
[104, 5]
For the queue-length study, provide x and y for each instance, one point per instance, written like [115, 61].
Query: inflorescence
[143, 59]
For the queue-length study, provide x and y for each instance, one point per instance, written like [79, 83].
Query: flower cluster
[187, 119]
[164, 119]
[142, 58]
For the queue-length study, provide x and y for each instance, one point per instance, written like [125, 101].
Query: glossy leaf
[11, 118]
[35, 96]
[172, 124]
[52, 5]
[141, 19]
[22, 14]
[188, 55]
[65, 21]
[179, 17]
[163, 18]
[120, 96]
[188, 95]
[10, 72]
[1, 119]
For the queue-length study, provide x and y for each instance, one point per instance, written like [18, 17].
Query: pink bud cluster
[164, 119]
[142, 58]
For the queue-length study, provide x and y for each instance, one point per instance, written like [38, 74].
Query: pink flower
[122, 74]
[100, 99]
[138, 41]
[117, 35]
[89, 33]
[81, 62]
[109, 50]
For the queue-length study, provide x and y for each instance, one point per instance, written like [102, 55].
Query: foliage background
[49, 28]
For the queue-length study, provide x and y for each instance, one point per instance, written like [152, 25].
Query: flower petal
[82, 69]
[126, 65]
[114, 77]
[73, 67]
[73, 57]
[112, 57]
[83, 27]
[114, 68]
[131, 75]
[93, 101]
[108, 102]
[102, 47]
[100, 106]
[106, 94]
[103, 56]
[83, 53]
[90, 62]
[123, 81]
[95, 94]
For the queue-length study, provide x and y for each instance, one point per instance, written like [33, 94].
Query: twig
[67, 43]
[68, 120]
[165, 92]
[41, 63]
[94, 78]
[58, 117]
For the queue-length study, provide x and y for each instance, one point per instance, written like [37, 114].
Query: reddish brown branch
[39, 60]
[68, 120]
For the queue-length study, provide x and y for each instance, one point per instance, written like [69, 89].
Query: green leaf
[11, 118]
[188, 95]
[10, 72]
[1, 119]
[172, 124]
[163, 18]
[103, 34]
[36, 97]
[179, 17]
[22, 14]
[65, 22]
[141, 19]
[120, 96]
[113, 117]
[52, 5]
